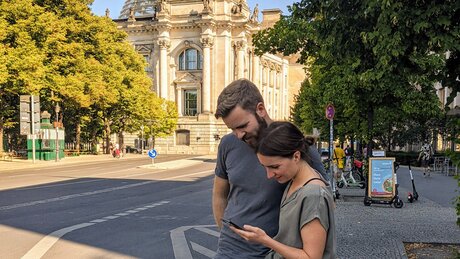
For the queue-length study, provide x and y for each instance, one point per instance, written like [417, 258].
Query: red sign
[330, 110]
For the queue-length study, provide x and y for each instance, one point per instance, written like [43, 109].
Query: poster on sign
[381, 177]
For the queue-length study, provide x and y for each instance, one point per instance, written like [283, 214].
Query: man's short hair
[241, 92]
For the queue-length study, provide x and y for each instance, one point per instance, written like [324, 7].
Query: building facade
[194, 48]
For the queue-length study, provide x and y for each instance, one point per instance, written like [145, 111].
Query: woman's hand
[252, 234]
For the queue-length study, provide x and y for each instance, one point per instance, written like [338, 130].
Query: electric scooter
[412, 196]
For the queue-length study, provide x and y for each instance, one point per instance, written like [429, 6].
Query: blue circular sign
[152, 153]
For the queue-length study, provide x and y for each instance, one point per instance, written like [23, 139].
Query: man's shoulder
[231, 141]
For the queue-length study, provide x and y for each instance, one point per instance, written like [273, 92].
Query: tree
[365, 60]
[62, 52]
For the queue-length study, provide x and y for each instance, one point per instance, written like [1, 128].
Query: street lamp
[57, 109]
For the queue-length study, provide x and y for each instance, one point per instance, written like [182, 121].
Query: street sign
[152, 153]
[26, 108]
[330, 110]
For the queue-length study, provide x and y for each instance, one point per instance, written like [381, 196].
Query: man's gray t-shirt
[316, 163]
[253, 199]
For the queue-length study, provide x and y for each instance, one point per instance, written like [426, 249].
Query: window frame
[190, 59]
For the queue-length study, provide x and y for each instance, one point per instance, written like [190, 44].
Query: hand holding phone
[229, 222]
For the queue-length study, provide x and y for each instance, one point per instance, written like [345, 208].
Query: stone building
[194, 48]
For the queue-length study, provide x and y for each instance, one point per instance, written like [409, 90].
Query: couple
[243, 194]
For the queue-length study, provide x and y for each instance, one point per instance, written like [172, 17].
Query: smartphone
[229, 222]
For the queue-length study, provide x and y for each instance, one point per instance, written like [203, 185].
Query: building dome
[140, 8]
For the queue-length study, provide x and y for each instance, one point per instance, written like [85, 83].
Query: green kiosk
[48, 142]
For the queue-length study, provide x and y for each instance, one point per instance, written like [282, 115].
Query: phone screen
[226, 221]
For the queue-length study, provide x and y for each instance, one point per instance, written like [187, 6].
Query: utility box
[49, 137]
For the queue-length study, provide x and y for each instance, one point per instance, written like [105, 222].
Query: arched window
[190, 59]
[183, 137]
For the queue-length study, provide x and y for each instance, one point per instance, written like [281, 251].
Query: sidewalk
[24, 163]
[380, 231]
[162, 162]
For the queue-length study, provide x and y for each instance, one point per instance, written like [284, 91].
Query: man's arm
[219, 198]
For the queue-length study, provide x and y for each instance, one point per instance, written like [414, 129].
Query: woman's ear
[297, 156]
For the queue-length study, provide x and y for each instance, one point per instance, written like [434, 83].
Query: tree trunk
[78, 136]
[1, 135]
[107, 136]
[389, 138]
[370, 135]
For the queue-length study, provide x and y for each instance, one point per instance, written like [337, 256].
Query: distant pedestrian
[116, 152]
[424, 157]
[339, 163]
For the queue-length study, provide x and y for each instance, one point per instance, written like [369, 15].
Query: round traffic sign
[152, 153]
[330, 110]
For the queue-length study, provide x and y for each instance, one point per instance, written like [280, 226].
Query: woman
[306, 223]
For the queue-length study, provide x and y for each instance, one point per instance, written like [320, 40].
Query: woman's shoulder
[315, 191]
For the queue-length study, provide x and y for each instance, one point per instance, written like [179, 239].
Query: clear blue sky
[115, 6]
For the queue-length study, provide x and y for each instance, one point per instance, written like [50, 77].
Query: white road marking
[208, 231]
[72, 196]
[179, 242]
[180, 176]
[66, 197]
[180, 246]
[47, 242]
[203, 250]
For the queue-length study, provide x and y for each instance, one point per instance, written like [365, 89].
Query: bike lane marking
[47, 242]
[180, 245]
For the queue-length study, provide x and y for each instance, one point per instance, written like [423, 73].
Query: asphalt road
[108, 209]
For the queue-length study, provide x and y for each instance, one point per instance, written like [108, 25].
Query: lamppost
[57, 109]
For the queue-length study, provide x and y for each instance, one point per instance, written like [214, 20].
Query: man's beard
[253, 140]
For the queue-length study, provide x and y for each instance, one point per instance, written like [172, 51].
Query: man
[242, 193]
[425, 155]
[338, 156]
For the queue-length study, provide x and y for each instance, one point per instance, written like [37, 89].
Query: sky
[115, 6]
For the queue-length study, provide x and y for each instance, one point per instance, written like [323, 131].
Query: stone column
[240, 47]
[275, 96]
[255, 70]
[267, 85]
[179, 101]
[164, 46]
[207, 43]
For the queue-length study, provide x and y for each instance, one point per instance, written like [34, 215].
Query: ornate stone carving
[264, 63]
[144, 48]
[207, 42]
[164, 44]
[239, 45]
[237, 8]
[255, 14]
[161, 7]
[207, 6]
[131, 17]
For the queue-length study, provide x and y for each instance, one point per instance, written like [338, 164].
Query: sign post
[29, 122]
[152, 154]
[330, 111]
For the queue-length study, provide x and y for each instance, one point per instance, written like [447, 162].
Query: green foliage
[67, 55]
[376, 61]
